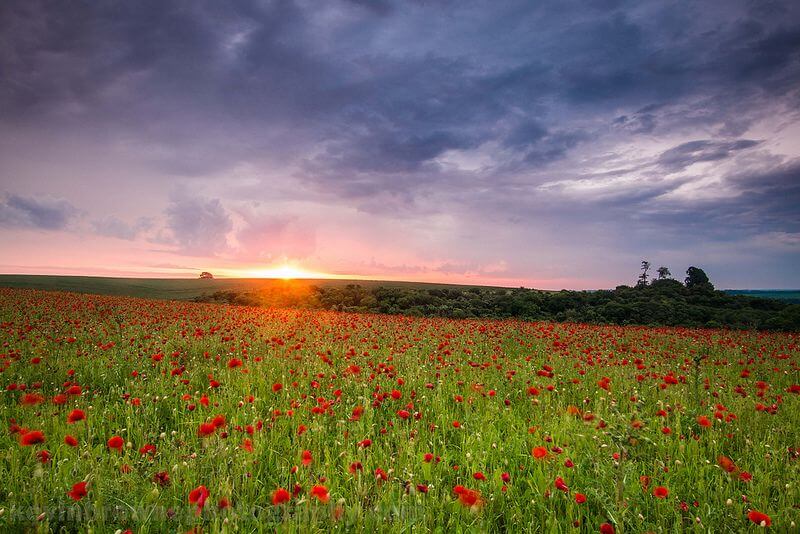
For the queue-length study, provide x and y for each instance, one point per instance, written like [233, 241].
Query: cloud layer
[561, 141]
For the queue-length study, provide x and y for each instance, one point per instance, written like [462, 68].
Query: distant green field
[791, 295]
[176, 288]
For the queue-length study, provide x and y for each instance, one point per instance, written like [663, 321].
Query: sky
[549, 144]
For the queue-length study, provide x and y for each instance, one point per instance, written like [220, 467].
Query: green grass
[178, 288]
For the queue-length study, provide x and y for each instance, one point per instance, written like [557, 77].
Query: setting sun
[286, 272]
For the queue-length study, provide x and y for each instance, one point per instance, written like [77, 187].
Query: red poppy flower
[280, 496]
[71, 441]
[468, 497]
[31, 399]
[218, 421]
[726, 464]
[307, 457]
[44, 456]
[606, 528]
[661, 492]
[321, 493]
[75, 416]
[539, 452]
[580, 498]
[759, 518]
[355, 467]
[206, 429]
[31, 437]
[704, 421]
[560, 485]
[479, 476]
[364, 443]
[358, 411]
[116, 442]
[247, 445]
[147, 449]
[198, 497]
[78, 491]
[224, 503]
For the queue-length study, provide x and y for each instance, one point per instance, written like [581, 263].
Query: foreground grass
[617, 412]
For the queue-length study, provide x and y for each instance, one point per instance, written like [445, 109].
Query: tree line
[662, 301]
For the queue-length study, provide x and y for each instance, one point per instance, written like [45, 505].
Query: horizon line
[355, 278]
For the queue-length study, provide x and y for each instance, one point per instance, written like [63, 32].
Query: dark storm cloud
[678, 158]
[40, 213]
[553, 147]
[389, 152]
[379, 7]
[769, 198]
[525, 134]
[756, 202]
[184, 73]
[194, 79]
[538, 145]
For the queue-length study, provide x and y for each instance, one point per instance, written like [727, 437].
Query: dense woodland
[661, 302]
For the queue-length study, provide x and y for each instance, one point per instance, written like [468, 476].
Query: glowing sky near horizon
[548, 144]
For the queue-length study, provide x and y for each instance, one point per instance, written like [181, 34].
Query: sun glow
[286, 272]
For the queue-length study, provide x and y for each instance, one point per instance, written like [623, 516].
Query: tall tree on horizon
[644, 277]
[696, 278]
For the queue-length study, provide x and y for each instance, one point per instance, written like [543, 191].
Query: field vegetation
[124, 414]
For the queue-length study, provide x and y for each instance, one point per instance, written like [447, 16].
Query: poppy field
[124, 414]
